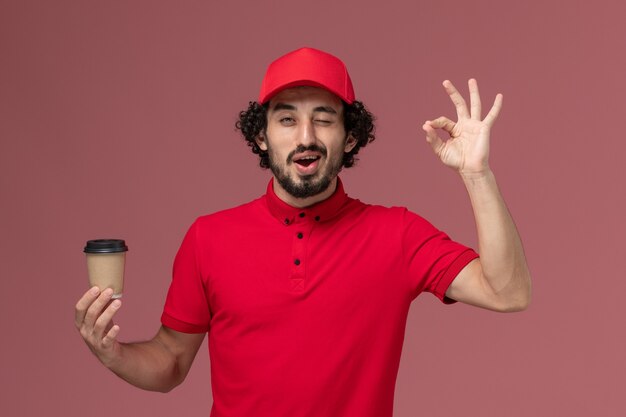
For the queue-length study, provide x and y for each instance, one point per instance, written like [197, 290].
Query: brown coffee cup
[105, 264]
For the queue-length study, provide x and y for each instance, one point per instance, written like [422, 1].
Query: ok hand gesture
[467, 149]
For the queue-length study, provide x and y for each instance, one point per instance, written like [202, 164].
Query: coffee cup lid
[105, 246]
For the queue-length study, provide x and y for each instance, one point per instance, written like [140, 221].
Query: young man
[305, 291]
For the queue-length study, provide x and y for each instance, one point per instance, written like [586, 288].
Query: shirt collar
[319, 212]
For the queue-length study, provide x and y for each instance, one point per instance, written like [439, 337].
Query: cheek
[279, 137]
[338, 144]
[277, 153]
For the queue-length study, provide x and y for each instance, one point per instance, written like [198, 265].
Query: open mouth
[305, 161]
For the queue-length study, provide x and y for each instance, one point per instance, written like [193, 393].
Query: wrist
[112, 359]
[476, 175]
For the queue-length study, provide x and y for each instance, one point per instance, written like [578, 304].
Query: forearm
[501, 253]
[147, 365]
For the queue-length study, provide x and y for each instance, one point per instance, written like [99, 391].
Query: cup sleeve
[432, 259]
[186, 306]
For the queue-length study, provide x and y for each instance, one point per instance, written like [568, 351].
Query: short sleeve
[432, 259]
[186, 307]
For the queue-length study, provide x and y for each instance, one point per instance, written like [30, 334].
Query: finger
[109, 338]
[442, 123]
[495, 110]
[83, 304]
[104, 321]
[431, 137]
[457, 99]
[95, 309]
[475, 106]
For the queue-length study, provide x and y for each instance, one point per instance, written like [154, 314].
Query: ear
[350, 143]
[261, 141]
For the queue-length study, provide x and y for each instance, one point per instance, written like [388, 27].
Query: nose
[306, 134]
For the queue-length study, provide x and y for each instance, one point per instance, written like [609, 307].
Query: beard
[308, 185]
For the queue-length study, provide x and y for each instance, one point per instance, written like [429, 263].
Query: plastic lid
[105, 246]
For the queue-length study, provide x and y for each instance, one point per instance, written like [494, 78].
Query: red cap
[307, 66]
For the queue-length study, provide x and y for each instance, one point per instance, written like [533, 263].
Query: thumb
[111, 337]
[432, 138]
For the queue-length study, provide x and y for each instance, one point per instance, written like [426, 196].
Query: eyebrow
[322, 109]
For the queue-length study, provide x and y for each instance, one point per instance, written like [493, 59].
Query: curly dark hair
[357, 121]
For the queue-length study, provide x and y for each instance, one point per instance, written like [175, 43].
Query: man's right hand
[158, 364]
[94, 320]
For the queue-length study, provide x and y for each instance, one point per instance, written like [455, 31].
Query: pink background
[116, 120]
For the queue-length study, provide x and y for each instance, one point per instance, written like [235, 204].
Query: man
[305, 291]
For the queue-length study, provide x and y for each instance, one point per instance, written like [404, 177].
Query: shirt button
[286, 221]
[317, 218]
[300, 235]
[301, 214]
[297, 262]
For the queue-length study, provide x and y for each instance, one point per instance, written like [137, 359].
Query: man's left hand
[467, 149]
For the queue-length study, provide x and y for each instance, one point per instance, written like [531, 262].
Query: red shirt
[306, 308]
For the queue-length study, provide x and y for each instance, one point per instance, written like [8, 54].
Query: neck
[304, 202]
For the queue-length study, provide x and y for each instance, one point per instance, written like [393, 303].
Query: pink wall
[116, 119]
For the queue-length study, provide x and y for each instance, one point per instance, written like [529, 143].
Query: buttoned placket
[301, 227]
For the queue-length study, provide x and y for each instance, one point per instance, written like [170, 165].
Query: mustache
[302, 148]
